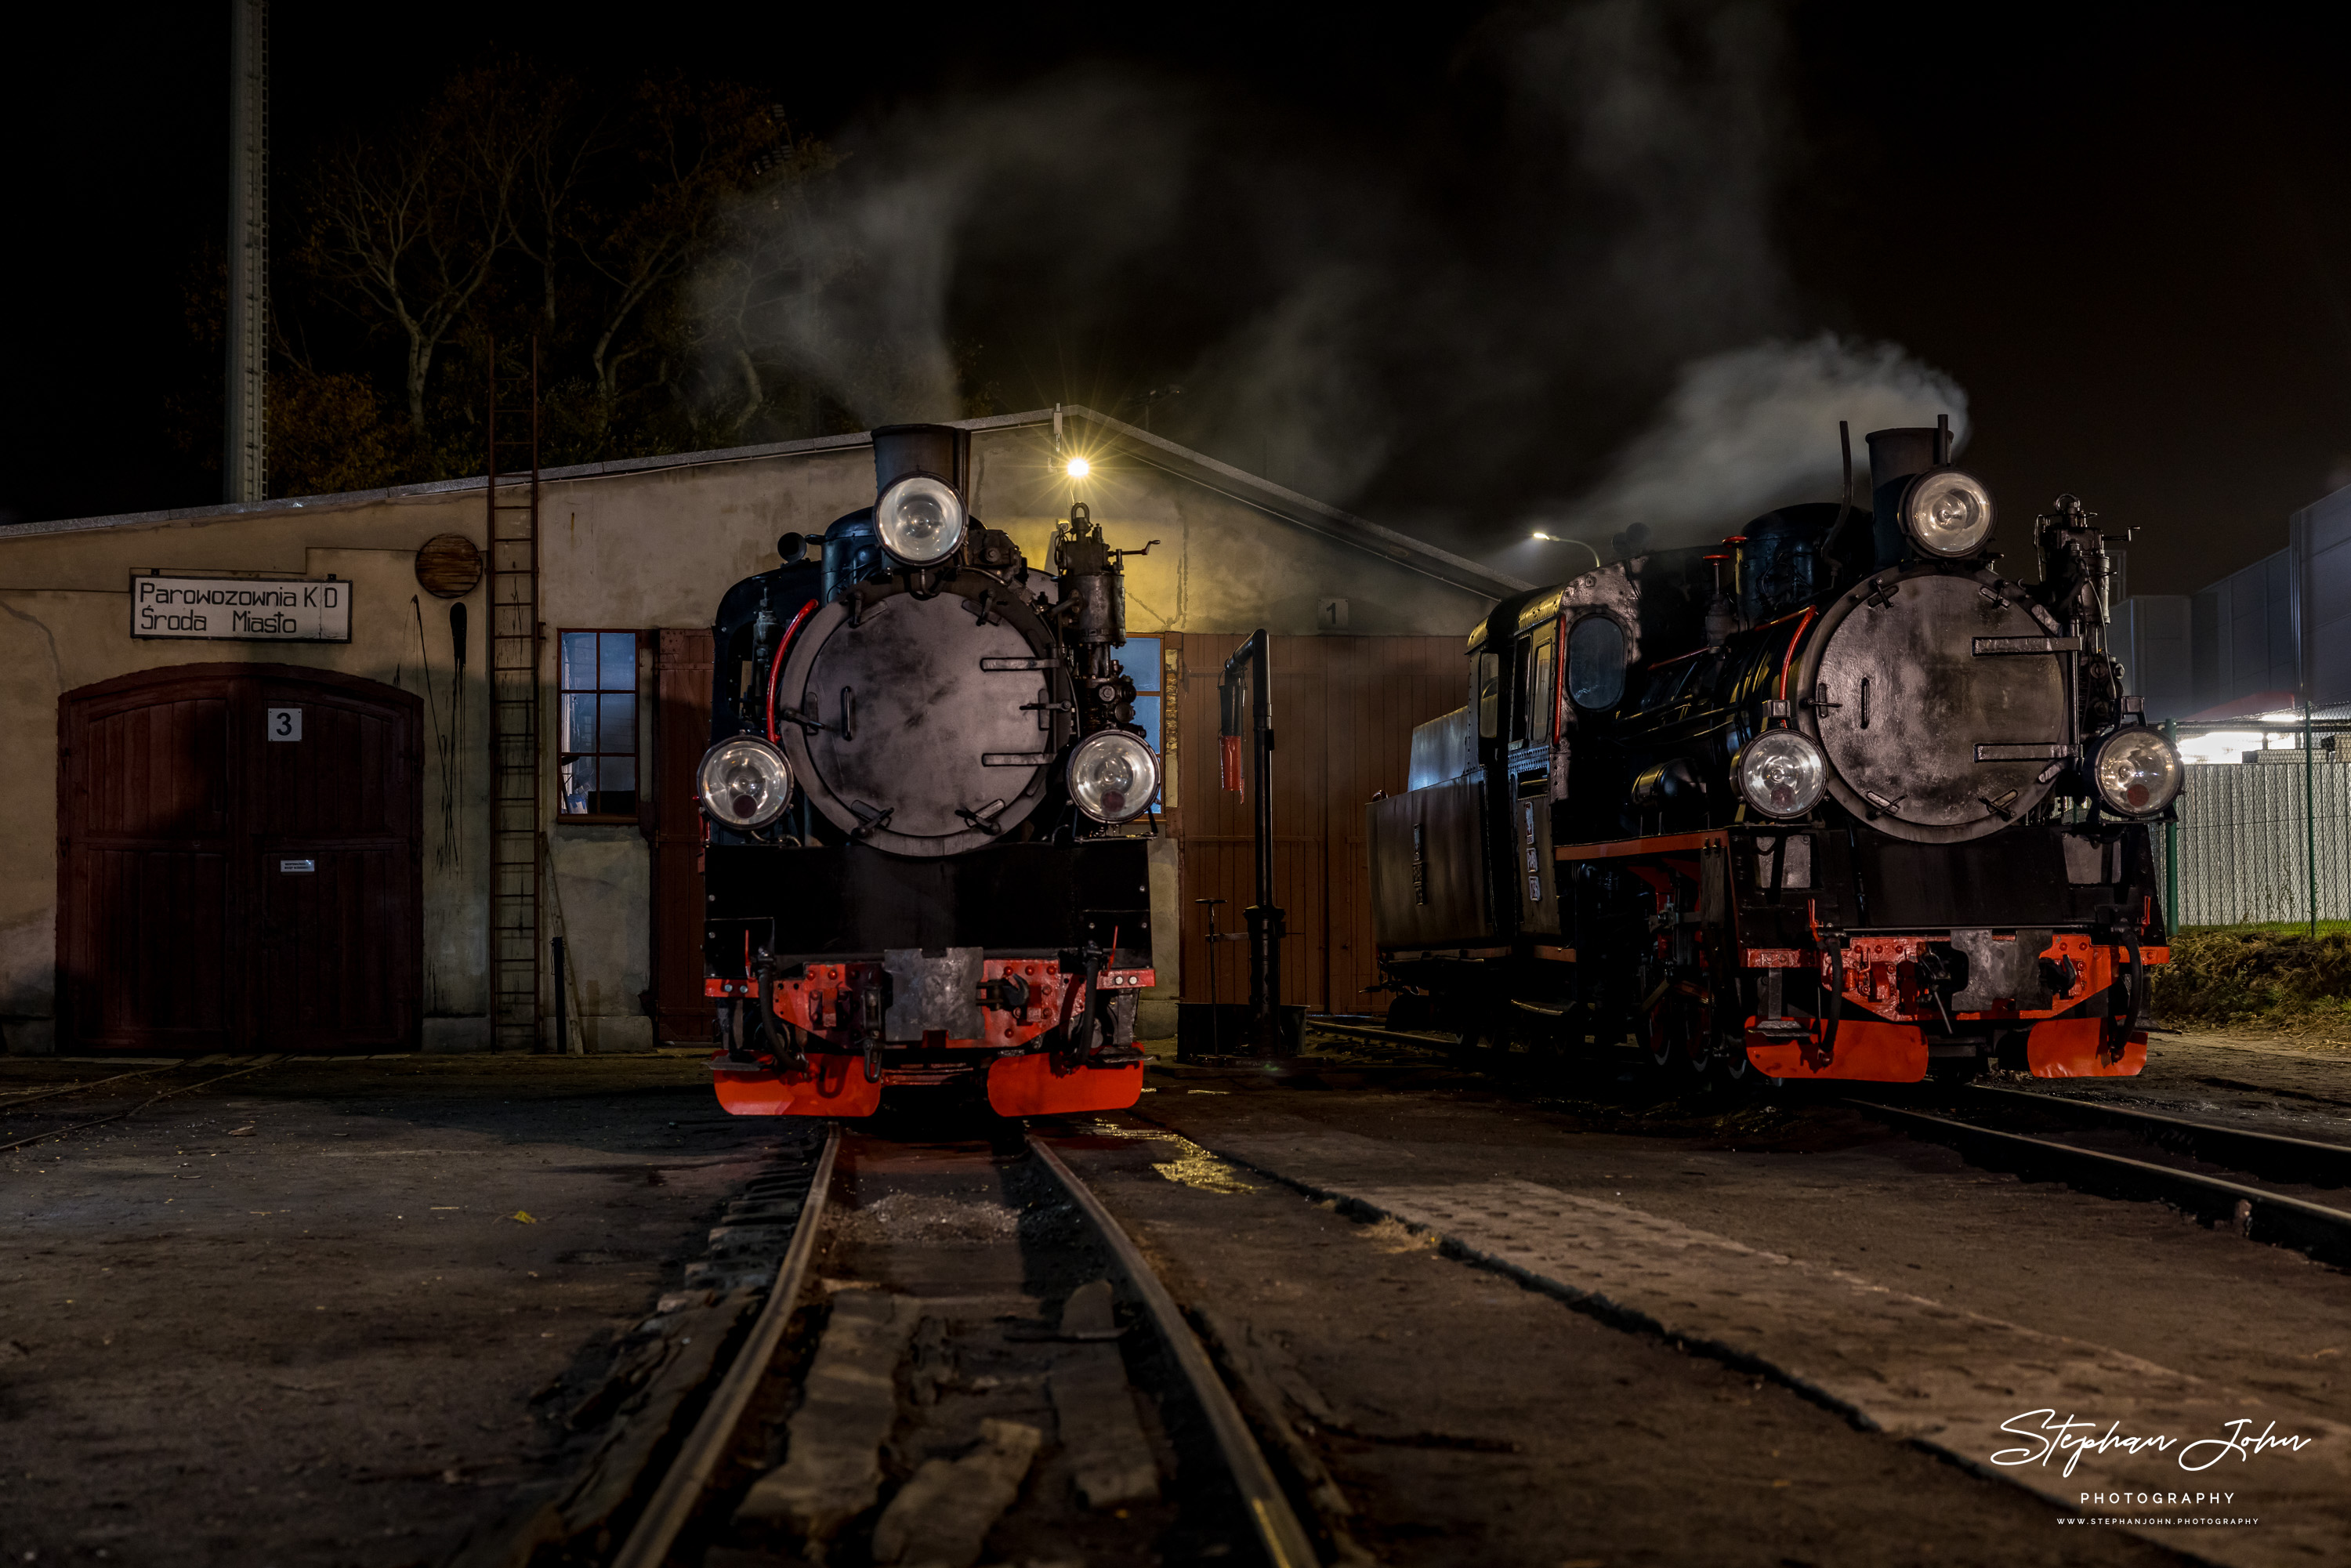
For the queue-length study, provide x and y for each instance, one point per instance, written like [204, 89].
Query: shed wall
[650, 549]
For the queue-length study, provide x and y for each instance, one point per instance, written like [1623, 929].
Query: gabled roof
[1134, 443]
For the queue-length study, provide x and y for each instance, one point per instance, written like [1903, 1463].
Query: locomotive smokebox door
[924, 725]
[1940, 701]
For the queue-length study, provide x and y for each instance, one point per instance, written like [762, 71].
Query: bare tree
[705, 153]
[753, 287]
[413, 224]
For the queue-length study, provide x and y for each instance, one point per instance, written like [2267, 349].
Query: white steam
[1754, 428]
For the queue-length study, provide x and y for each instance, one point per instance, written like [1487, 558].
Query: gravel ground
[2266, 1083]
[301, 1317]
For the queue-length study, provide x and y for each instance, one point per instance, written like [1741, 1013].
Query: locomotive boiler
[923, 761]
[1836, 799]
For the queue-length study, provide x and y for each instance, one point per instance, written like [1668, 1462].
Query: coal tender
[922, 750]
[1836, 799]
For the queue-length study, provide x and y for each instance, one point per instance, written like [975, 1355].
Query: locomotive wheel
[1680, 1035]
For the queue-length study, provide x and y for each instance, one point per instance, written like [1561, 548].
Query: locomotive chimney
[1896, 456]
[939, 449]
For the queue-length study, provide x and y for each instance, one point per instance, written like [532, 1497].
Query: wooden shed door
[682, 1015]
[238, 867]
[1344, 712]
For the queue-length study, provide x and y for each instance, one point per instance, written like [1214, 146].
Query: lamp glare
[1079, 467]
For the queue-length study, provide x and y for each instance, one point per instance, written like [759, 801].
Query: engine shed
[338, 772]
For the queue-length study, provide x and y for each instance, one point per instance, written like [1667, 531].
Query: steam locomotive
[1835, 799]
[923, 755]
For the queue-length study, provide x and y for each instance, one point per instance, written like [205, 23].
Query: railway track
[2026, 1133]
[18, 1108]
[2013, 1130]
[959, 1347]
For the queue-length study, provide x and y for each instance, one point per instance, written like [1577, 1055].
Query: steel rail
[118, 1115]
[13, 1099]
[2322, 1232]
[1278, 1532]
[2271, 1155]
[1387, 1035]
[688, 1476]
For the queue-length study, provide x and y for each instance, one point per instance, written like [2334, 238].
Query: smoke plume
[1556, 296]
[1754, 428]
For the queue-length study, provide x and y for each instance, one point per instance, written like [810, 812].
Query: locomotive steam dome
[1939, 698]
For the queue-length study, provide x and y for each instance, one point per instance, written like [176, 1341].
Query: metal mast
[516, 636]
[245, 448]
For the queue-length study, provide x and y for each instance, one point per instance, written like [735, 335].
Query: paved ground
[1836, 1195]
[1467, 1420]
[317, 1340]
[300, 1318]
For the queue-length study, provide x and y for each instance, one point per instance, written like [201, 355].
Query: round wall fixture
[448, 566]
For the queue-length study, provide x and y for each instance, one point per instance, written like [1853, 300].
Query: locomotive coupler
[787, 1056]
[1008, 995]
[1085, 1036]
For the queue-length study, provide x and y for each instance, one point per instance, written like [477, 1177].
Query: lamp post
[1562, 539]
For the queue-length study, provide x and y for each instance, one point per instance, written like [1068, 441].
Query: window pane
[577, 731]
[616, 724]
[578, 777]
[1141, 657]
[1146, 714]
[618, 775]
[579, 660]
[619, 661]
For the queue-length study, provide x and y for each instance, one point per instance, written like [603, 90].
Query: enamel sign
[241, 608]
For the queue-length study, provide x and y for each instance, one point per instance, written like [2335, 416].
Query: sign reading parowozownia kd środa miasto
[241, 608]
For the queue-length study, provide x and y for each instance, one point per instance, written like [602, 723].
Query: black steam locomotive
[1833, 799]
[922, 749]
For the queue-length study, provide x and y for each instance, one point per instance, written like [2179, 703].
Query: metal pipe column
[1264, 917]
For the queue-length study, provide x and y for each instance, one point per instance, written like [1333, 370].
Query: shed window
[597, 724]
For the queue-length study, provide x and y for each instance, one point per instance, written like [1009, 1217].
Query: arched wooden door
[238, 862]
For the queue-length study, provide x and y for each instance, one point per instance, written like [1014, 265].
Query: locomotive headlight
[920, 520]
[1948, 513]
[1783, 773]
[743, 783]
[2135, 771]
[1112, 776]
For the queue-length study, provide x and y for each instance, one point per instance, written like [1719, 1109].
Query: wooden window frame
[640, 713]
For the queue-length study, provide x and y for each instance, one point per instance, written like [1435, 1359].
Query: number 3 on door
[286, 724]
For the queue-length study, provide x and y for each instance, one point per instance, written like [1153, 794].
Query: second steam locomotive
[1835, 799]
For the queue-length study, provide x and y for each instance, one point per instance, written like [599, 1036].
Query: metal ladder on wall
[515, 636]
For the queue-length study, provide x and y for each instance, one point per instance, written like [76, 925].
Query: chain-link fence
[2248, 836]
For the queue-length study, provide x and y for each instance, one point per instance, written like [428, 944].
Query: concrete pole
[244, 446]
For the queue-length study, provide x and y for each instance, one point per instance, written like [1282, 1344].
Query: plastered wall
[645, 549]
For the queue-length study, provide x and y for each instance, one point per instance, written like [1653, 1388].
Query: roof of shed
[1133, 443]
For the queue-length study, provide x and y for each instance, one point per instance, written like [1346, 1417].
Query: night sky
[2125, 231]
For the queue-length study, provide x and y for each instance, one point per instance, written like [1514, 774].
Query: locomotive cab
[1835, 798]
[923, 765]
